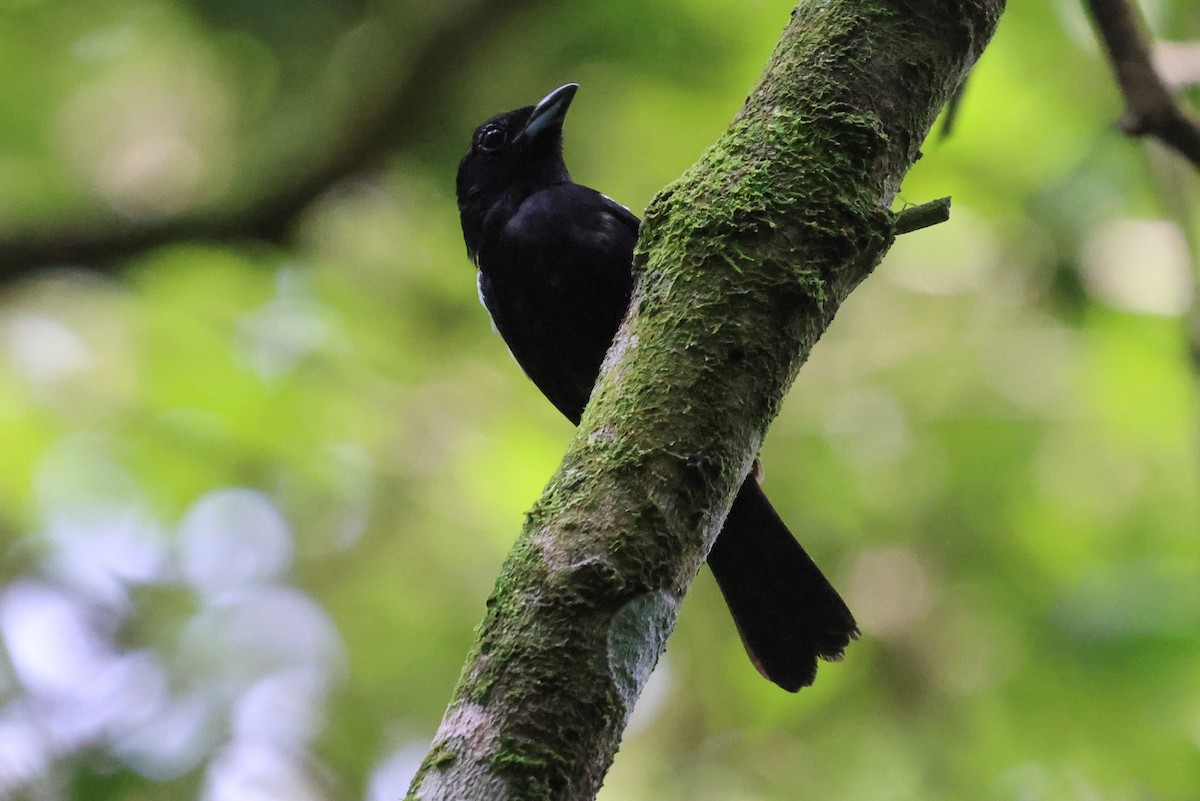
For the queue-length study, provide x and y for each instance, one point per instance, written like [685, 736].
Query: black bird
[555, 273]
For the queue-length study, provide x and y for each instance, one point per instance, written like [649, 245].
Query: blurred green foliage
[255, 488]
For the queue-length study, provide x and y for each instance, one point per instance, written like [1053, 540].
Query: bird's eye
[492, 137]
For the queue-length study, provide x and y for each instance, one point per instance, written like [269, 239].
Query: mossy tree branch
[742, 264]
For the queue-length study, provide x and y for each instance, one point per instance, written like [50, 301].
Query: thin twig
[950, 115]
[1150, 107]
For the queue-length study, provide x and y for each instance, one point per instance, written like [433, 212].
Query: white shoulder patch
[615, 203]
[482, 302]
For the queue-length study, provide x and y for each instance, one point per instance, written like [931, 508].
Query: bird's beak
[549, 112]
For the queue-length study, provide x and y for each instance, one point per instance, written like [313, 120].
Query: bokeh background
[261, 455]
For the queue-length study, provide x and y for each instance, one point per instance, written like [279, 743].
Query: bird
[554, 266]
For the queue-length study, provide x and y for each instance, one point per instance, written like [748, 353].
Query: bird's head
[512, 155]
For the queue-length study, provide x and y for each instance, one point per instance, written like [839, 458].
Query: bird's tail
[786, 611]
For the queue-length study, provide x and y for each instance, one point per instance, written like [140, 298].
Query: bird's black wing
[556, 279]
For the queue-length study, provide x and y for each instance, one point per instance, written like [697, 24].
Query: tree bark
[741, 264]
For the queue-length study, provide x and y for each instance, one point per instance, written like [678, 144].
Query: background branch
[403, 107]
[1150, 107]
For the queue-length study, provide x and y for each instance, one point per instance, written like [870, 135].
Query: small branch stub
[914, 218]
